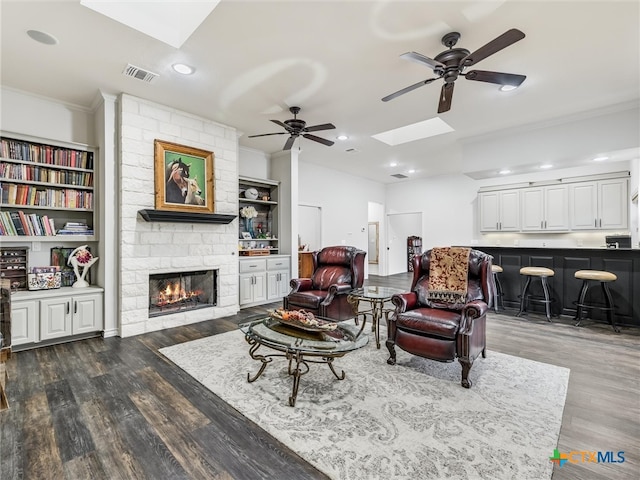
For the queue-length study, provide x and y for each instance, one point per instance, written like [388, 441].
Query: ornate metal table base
[300, 368]
[377, 297]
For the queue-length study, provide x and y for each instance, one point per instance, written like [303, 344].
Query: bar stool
[604, 278]
[495, 270]
[542, 273]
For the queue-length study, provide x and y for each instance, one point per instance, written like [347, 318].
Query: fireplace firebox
[181, 291]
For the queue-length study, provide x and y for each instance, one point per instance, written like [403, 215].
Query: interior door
[373, 249]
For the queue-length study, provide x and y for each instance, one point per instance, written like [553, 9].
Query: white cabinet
[264, 280]
[55, 314]
[599, 205]
[278, 278]
[24, 322]
[73, 315]
[545, 208]
[253, 280]
[500, 211]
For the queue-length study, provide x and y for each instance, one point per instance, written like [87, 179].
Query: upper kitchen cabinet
[499, 211]
[545, 209]
[599, 205]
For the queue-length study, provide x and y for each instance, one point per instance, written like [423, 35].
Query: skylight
[417, 131]
[170, 22]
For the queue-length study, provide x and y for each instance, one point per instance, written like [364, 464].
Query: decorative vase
[81, 259]
[249, 226]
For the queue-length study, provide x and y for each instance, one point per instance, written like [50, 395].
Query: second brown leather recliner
[336, 271]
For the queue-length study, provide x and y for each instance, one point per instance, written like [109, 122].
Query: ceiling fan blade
[278, 122]
[495, 77]
[289, 144]
[421, 59]
[446, 95]
[315, 128]
[408, 89]
[324, 141]
[266, 134]
[503, 41]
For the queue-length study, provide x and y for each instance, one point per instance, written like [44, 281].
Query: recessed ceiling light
[393, 164]
[600, 159]
[504, 171]
[546, 165]
[183, 68]
[412, 171]
[42, 37]
[507, 88]
[342, 137]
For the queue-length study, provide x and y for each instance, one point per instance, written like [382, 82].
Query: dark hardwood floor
[117, 409]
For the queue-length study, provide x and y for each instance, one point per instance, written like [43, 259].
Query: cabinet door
[260, 287]
[583, 203]
[55, 317]
[87, 313]
[277, 284]
[533, 209]
[509, 219]
[283, 284]
[612, 204]
[556, 208]
[488, 206]
[273, 285]
[24, 322]
[246, 289]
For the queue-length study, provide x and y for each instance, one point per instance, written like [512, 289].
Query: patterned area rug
[408, 421]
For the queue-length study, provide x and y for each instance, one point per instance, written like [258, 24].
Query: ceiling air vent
[399, 175]
[139, 73]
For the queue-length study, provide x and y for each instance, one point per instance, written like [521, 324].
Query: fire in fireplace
[181, 291]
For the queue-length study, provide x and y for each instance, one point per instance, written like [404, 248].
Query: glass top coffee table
[300, 347]
[376, 297]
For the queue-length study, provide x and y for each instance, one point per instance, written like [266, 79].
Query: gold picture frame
[183, 178]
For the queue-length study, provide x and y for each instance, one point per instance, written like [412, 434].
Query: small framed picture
[246, 236]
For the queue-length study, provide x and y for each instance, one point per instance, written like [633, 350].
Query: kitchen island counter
[565, 288]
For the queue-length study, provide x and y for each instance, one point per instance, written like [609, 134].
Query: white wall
[446, 204]
[555, 142]
[344, 200]
[253, 163]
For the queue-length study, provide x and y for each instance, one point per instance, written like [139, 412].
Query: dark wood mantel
[150, 215]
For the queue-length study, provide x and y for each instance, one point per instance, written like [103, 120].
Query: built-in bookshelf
[44, 187]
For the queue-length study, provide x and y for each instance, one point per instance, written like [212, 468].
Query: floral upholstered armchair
[444, 315]
[336, 271]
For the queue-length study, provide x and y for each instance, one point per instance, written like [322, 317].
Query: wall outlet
[580, 242]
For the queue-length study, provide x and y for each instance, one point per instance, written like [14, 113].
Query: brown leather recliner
[336, 271]
[436, 331]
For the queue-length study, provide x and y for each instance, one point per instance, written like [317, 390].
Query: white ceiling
[336, 60]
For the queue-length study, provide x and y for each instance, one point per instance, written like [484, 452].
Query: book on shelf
[29, 224]
[75, 228]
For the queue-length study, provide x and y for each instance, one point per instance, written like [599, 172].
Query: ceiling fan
[451, 63]
[296, 127]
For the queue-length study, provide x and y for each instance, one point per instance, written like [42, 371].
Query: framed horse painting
[183, 178]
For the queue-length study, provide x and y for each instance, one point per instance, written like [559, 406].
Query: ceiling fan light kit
[451, 64]
[296, 127]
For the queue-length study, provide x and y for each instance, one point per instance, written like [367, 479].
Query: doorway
[373, 249]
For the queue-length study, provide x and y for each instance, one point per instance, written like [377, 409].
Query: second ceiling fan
[450, 64]
[296, 127]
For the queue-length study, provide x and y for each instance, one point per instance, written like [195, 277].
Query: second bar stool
[604, 278]
[542, 273]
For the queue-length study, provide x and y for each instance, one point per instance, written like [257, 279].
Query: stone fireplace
[181, 291]
[166, 250]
